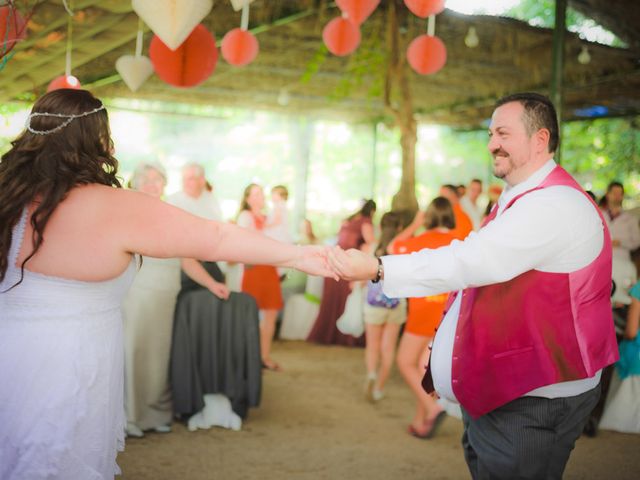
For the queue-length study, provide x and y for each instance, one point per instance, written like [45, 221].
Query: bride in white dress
[67, 237]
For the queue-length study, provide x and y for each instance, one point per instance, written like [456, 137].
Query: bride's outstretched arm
[151, 227]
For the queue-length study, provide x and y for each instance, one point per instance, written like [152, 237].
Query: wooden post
[558, 63]
[374, 159]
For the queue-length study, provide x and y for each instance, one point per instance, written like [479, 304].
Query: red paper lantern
[427, 54]
[188, 65]
[239, 47]
[341, 36]
[357, 10]
[64, 81]
[12, 28]
[425, 8]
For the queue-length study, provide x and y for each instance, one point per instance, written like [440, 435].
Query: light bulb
[284, 98]
[471, 40]
[583, 56]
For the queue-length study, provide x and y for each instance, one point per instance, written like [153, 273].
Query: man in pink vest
[525, 337]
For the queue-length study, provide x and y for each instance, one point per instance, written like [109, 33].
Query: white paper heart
[238, 4]
[172, 20]
[134, 70]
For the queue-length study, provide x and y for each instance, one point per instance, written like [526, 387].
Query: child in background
[277, 226]
[382, 318]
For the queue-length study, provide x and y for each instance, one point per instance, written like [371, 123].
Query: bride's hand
[313, 260]
[353, 264]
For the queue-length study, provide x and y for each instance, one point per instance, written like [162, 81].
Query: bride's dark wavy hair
[44, 168]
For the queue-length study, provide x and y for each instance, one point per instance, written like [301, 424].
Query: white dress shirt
[555, 229]
[205, 206]
[474, 211]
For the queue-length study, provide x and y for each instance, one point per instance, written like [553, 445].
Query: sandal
[435, 424]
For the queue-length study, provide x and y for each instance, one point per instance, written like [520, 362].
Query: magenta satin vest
[537, 329]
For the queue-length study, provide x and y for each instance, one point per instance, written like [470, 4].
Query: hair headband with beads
[69, 118]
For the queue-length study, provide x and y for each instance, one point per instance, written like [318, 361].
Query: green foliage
[541, 13]
[600, 151]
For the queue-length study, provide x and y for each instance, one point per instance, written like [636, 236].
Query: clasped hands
[334, 262]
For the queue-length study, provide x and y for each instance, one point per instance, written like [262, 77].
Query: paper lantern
[170, 20]
[341, 36]
[12, 28]
[425, 8]
[239, 47]
[238, 4]
[427, 54]
[357, 10]
[190, 64]
[134, 70]
[64, 81]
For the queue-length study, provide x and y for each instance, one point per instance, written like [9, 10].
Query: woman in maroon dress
[355, 231]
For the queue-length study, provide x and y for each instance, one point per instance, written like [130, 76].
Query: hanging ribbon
[431, 26]
[67, 70]
[244, 23]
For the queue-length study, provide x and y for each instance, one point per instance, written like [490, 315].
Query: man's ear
[541, 138]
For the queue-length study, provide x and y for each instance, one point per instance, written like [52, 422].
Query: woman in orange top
[425, 313]
[261, 281]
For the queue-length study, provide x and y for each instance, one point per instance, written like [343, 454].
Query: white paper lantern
[134, 70]
[238, 4]
[171, 20]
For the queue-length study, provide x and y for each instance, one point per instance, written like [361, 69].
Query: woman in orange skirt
[425, 313]
[261, 281]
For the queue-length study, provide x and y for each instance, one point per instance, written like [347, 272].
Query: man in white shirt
[625, 237]
[471, 206]
[523, 342]
[194, 197]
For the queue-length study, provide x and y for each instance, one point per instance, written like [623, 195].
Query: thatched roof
[293, 73]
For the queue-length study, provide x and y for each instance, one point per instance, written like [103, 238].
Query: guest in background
[277, 226]
[625, 237]
[261, 281]
[425, 313]
[355, 232]
[622, 410]
[148, 310]
[383, 318]
[464, 225]
[471, 205]
[195, 197]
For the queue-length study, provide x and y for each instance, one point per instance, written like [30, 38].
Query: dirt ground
[314, 423]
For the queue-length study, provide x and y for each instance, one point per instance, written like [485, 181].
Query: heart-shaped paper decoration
[238, 4]
[134, 70]
[170, 20]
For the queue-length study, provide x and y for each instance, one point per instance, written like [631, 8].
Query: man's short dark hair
[539, 113]
[476, 180]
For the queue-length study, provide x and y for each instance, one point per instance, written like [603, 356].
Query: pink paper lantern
[64, 81]
[239, 47]
[357, 10]
[12, 28]
[427, 55]
[341, 36]
[425, 8]
[188, 65]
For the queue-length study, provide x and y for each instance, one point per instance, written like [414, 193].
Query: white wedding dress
[61, 374]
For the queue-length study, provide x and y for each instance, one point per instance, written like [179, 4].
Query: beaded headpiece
[68, 119]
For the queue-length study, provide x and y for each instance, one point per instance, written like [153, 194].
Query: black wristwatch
[379, 272]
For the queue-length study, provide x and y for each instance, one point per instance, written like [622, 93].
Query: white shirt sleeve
[554, 229]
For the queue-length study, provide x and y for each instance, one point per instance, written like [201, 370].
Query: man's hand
[353, 264]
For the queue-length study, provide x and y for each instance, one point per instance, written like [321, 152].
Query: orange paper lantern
[425, 8]
[239, 47]
[12, 28]
[64, 81]
[357, 10]
[427, 54]
[188, 65]
[341, 36]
